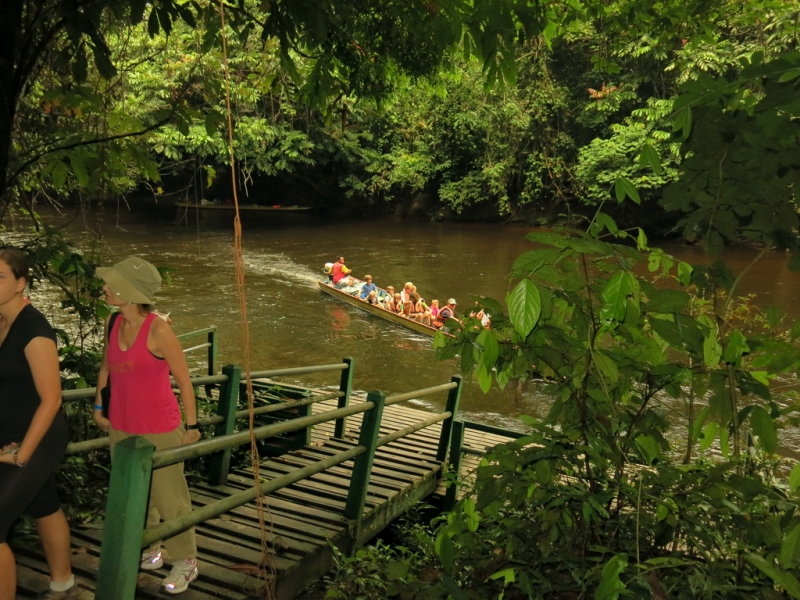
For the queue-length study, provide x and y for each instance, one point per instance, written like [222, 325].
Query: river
[293, 324]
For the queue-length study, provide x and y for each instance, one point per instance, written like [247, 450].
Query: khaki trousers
[169, 493]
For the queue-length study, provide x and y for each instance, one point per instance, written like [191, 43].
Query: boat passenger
[368, 287]
[405, 295]
[418, 311]
[479, 313]
[350, 285]
[434, 308]
[388, 299]
[448, 311]
[398, 304]
[372, 297]
[339, 270]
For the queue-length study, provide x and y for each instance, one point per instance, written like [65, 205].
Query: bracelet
[190, 427]
[98, 407]
[16, 459]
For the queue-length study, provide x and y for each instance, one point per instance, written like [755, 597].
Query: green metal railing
[135, 458]
[211, 343]
[458, 450]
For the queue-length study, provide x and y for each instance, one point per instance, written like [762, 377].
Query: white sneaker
[151, 560]
[183, 573]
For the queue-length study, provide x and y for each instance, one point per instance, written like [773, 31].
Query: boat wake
[281, 268]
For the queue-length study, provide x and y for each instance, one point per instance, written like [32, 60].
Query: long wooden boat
[377, 310]
[275, 208]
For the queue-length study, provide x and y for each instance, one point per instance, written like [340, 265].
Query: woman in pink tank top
[141, 352]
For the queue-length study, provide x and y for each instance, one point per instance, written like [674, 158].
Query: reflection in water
[293, 324]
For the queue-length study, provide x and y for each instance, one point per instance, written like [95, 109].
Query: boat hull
[243, 207]
[377, 310]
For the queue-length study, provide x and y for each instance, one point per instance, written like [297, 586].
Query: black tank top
[18, 397]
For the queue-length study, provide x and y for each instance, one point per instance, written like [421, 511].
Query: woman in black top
[33, 430]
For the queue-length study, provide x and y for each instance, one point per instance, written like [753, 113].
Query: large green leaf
[524, 307]
[794, 478]
[489, 348]
[623, 187]
[484, 376]
[765, 428]
[648, 156]
[790, 548]
[615, 295]
[736, 348]
[610, 584]
[668, 301]
[445, 549]
[606, 366]
[782, 578]
[529, 262]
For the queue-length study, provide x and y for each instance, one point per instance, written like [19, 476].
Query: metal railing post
[345, 386]
[453, 398]
[454, 464]
[357, 494]
[212, 351]
[220, 463]
[212, 357]
[126, 509]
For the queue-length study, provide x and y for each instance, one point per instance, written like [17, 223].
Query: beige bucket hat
[133, 280]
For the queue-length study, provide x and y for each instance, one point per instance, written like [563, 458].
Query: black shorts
[32, 489]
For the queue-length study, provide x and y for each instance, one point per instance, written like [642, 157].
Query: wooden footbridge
[335, 470]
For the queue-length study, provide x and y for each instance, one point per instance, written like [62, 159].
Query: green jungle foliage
[579, 102]
[613, 494]
[692, 105]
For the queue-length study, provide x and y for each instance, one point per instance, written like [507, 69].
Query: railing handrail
[90, 392]
[170, 456]
[418, 393]
[340, 366]
[99, 443]
[493, 429]
[163, 458]
[204, 331]
[177, 525]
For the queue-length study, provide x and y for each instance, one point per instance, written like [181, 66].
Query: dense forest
[619, 118]
[535, 113]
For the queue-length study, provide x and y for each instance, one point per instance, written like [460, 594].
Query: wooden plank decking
[302, 520]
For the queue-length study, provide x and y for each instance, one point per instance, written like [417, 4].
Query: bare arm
[168, 345]
[42, 358]
[102, 381]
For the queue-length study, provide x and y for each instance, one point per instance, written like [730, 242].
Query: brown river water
[293, 324]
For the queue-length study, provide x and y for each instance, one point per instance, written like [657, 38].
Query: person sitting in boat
[372, 297]
[398, 304]
[350, 285]
[368, 288]
[434, 309]
[405, 295]
[448, 311]
[339, 271]
[479, 313]
[417, 310]
[387, 301]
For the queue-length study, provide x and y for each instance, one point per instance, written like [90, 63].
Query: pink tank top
[142, 400]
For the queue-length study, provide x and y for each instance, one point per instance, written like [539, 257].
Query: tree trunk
[11, 81]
